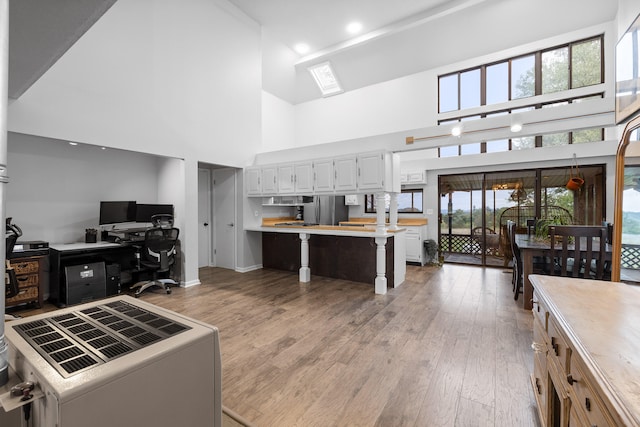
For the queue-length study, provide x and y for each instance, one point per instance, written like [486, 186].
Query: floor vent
[80, 340]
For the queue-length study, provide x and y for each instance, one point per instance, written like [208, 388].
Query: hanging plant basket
[575, 181]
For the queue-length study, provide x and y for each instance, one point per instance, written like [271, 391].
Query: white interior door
[224, 217]
[204, 218]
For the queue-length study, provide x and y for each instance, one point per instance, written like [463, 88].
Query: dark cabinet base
[339, 257]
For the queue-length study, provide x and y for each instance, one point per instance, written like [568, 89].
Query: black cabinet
[122, 256]
[281, 251]
[339, 257]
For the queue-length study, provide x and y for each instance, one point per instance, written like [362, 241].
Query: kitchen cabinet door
[269, 180]
[345, 174]
[303, 178]
[323, 175]
[413, 246]
[414, 243]
[253, 178]
[371, 171]
[416, 177]
[286, 183]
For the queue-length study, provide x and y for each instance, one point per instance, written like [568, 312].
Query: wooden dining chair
[579, 251]
[540, 263]
[516, 278]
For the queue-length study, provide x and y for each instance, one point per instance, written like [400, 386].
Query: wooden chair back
[579, 251]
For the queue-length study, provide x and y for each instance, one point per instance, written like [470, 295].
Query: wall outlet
[429, 211]
[256, 213]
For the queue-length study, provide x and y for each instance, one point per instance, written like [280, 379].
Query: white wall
[278, 71]
[278, 132]
[628, 10]
[55, 189]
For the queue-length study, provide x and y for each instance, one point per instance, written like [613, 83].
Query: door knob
[230, 224]
[206, 224]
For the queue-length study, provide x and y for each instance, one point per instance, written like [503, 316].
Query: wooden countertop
[402, 222]
[602, 321]
[288, 225]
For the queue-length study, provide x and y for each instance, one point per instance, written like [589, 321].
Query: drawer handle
[537, 347]
[571, 380]
[538, 385]
[587, 403]
[534, 303]
[554, 344]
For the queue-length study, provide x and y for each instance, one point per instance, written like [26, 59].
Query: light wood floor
[450, 347]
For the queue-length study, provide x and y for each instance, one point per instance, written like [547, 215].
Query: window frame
[370, 201]
[537, 71]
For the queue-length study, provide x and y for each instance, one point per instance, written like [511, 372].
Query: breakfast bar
[367, 254]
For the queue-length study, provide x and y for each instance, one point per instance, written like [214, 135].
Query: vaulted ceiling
[397, 39]
[40, 32]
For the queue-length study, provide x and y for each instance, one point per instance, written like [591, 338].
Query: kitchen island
[361, 253]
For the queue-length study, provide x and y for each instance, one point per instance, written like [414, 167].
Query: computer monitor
[144, 212]
[117, 212]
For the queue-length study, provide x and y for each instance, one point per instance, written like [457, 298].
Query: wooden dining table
[531, 247]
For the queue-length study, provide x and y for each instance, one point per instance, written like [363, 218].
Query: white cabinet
[414, 238]
[303, 178]
[346, 174]
[253, 178]
[378, 171]
[286, 183]
[269, 180]
[363, 173]
[371, 171]
[413, 177]
[323, 176]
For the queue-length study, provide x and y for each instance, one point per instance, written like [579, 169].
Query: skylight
[325, 79]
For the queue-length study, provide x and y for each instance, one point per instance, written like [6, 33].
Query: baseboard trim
[190, 283]
[247, 269]
[236, 417]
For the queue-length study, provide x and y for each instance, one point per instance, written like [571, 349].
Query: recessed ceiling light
[73, 143]
[456, 131]
[301, 48]
[354, 27]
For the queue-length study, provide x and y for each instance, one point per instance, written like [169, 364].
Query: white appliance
[117, 362]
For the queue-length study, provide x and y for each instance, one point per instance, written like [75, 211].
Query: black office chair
[158, 254]
[11, 281]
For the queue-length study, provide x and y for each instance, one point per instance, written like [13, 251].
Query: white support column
[305, 271]
[393, 211]
[4, 84]
[380, 216]
[381, 266]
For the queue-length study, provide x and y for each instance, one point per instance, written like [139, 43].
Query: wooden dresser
[586, 342]
[32, 274]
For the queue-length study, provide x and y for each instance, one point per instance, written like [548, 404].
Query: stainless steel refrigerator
[325, 210]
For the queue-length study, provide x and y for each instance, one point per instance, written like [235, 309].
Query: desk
[531, 247]
[62, 255]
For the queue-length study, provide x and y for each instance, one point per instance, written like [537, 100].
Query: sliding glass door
[474, 208]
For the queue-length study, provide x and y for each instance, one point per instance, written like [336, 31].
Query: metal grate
[630, 256]
[77, 341]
